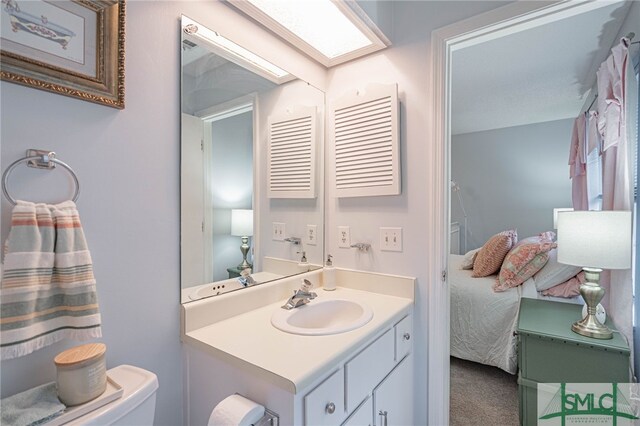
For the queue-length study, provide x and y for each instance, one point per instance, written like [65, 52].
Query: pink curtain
[617, 112]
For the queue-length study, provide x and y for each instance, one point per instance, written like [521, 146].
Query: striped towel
[48, 291]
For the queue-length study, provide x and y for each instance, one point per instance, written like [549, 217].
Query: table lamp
[242, 226]
[557, 211]
[594, 240]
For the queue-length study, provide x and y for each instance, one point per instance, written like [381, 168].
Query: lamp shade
[596, 239]
[555, 215]
[242, 223]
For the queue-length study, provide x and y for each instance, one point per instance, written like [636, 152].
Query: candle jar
[81, 373]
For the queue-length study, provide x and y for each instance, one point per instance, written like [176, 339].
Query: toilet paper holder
[269, 419]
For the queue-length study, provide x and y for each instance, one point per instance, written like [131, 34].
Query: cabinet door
[368, 368]
[393, 398]
[362, 416]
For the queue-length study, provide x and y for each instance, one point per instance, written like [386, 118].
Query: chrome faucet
[361, 246]
[300, 297]
[294, 240]
[245, 278]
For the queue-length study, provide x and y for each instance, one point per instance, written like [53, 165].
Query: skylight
[329, 31]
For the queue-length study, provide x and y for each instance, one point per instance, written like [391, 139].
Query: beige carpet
[482, 395]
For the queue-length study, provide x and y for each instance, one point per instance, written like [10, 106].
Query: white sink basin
[323, 317]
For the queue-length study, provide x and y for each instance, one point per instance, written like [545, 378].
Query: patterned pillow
[541, 237]
[492, 253]
[521, 263]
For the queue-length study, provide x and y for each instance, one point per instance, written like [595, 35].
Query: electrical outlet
[311, 237]
[344, 237]
[391, 239]
[279, 231]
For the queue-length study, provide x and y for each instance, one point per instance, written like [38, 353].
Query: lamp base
[245, 265]
[591, 327]
[244, 248]
[592, 294]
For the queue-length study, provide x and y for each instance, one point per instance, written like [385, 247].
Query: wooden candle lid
[80, 354]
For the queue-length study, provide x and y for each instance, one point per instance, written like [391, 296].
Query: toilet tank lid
[138, 384]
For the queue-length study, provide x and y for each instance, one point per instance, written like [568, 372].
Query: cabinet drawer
[547, 360]
[324, 405]
[368, 368]
[363, 416]
[404, 331]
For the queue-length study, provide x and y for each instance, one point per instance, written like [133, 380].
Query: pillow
[469, 258]
[569, 288]
[541, 237]
[521, 263]
[554, 273]
[490, 257]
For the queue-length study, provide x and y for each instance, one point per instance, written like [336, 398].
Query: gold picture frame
[70, 47]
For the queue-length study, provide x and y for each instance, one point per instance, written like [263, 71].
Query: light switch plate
[311, 237]
[344, 237]
[279, 231]
[391, 239]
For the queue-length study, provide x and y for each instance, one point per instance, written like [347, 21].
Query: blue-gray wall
[511, 178]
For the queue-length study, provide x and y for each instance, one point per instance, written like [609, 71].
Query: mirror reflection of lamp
[242, 226]
[594, 240]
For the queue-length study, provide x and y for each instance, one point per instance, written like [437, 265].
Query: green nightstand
[549, 352]
[234, 272]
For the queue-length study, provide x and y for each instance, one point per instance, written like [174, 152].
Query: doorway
[493, 25]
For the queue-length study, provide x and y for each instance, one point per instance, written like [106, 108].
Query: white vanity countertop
[291, 361]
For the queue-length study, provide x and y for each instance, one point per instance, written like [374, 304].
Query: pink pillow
[570, 288]
[540, 238]
[521, 263]
[492, 253]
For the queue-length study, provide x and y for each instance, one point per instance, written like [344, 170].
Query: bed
[483, 321]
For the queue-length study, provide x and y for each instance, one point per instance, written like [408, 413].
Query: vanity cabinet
[378, 378]
[232, 347]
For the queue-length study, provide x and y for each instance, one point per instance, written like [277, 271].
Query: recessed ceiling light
[329, 31]
[235, 53]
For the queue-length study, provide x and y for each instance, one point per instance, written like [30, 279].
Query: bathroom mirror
[241, 208]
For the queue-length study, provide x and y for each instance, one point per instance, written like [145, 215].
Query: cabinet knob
[406, 336]
[330, 408]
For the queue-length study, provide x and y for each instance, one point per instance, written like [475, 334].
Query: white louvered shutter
[366, 143]
[292, 154]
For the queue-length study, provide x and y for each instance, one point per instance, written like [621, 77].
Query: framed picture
[74, 48]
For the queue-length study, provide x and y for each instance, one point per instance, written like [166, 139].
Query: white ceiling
[536, 75]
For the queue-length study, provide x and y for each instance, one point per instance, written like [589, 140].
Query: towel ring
[43, 160]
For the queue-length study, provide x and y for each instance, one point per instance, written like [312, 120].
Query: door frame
[208, 116]
[500, 22]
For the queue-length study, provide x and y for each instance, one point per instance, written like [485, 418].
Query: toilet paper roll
[236, 410]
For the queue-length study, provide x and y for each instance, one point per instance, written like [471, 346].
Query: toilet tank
[136, 406]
